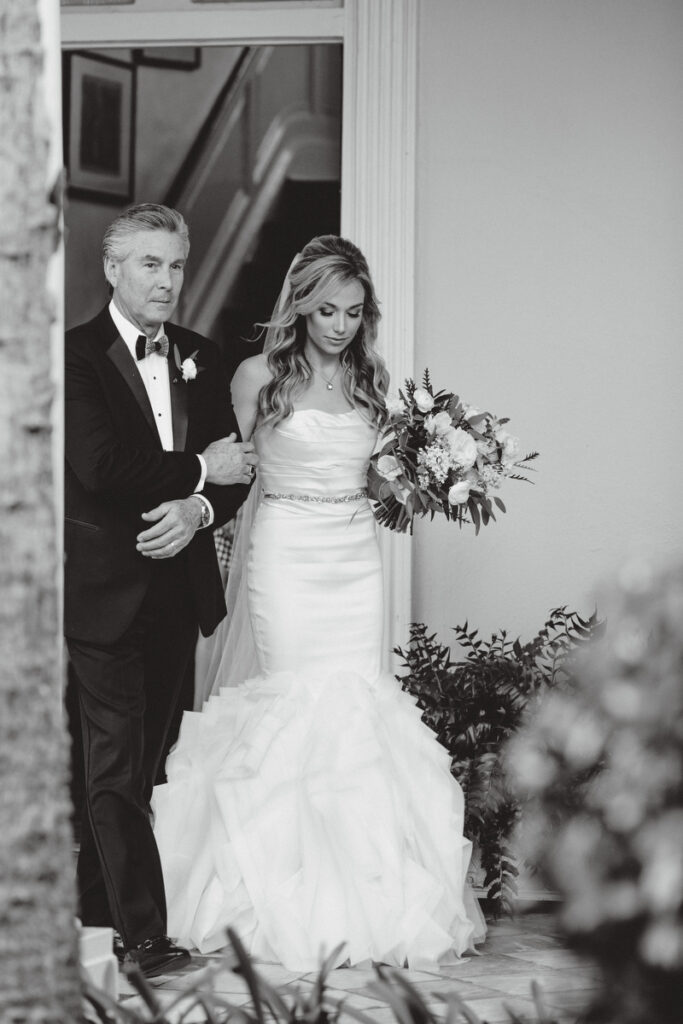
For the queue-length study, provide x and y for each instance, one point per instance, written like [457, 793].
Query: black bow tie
[143, 346]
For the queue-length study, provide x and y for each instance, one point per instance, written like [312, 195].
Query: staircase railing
[226, 98]
[266, 121]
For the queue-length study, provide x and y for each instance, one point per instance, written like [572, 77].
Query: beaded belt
[326, 499]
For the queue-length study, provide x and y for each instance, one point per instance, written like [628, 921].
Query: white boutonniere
[188, 368]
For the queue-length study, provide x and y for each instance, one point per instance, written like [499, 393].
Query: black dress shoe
[157, 956]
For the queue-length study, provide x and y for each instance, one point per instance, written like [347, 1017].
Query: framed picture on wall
[179, 58]
[99, 126]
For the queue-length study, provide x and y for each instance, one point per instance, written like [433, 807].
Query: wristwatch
[206, 513]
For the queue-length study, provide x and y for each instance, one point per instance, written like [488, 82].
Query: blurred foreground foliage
[314, 1003]
[612, 741]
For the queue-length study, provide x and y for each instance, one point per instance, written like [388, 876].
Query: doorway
[245, 141]
[379, 146]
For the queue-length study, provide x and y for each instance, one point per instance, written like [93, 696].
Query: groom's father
[146, 478]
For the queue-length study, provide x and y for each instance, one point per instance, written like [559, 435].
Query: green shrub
[474, 706]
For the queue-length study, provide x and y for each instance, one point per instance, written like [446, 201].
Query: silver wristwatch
[206, 514]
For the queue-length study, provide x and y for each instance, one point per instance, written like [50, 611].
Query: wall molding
[215, 24]
[378, 213]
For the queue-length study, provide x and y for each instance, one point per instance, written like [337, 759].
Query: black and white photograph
[342, 568]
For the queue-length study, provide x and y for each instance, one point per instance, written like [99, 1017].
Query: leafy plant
[280, 1006]
[475, 705]
[268, 1003]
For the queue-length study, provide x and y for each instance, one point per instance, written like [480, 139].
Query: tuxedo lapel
[118, 352]
[125, 364]
[178, 403]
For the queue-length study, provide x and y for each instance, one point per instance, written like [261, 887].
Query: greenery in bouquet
[475, 705]
[439, 454]
[615, 851]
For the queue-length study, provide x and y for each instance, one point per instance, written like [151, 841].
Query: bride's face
[332, 327]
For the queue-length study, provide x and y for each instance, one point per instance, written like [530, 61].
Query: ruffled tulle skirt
[308, 811]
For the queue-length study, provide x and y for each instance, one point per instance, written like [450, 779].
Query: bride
[308, 805]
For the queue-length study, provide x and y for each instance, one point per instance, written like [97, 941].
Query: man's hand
[229, 461]
[175, 524]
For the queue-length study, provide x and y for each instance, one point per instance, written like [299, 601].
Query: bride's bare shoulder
[249, 378]
[252, 373]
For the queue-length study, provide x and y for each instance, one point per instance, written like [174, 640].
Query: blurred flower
[533, 770]
[423, 400]
[438, 424]
[584, 740]
[462, 448]
[510, 446]
[435, 458]
[388, 467]
[395, 406]
[662, 944]
[622, 699]
[607, 825]
[459, 493]
[661, 849]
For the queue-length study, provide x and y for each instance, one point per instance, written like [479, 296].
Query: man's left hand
[175, 524]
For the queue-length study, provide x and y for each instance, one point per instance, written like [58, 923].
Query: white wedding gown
[310, 806]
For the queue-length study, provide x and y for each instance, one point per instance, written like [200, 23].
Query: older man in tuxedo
[153, 461]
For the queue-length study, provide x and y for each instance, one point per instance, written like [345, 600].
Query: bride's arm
[250, 376]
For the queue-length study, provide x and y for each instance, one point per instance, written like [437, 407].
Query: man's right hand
[229, 461]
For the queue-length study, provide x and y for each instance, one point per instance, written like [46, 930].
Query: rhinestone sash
[325, 499]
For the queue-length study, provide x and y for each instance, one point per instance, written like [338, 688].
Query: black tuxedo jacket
[116, 469]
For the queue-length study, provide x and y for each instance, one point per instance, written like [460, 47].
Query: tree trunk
[38, 946]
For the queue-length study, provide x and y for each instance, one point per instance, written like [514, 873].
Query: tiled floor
[516, 952]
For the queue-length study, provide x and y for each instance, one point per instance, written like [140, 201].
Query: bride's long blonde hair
[325, 265]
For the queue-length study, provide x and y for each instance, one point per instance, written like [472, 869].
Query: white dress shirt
[154, 372]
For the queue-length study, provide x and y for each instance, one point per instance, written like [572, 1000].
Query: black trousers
[128, 693]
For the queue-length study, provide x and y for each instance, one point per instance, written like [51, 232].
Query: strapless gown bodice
[310, 806]
[314, 572]
[315, 453]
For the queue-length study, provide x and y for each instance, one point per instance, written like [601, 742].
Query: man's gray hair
[143, 217]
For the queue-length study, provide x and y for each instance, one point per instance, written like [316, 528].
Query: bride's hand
[229, 461]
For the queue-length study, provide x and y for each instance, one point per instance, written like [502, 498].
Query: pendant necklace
[328, 380]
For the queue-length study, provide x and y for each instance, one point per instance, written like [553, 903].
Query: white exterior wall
[550, 289]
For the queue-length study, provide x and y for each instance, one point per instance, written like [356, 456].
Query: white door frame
[378, 150]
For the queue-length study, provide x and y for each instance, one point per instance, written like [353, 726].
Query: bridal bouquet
[438, 454]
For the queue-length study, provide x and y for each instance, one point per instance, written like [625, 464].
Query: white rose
[438, 424]
[388, 467]
[510, 446]
[423, 400]
[462, 447]
[395, 406]
[188, 368]
[459, 493]
[471, 411]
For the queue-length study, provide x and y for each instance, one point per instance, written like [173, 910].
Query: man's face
[147, 282]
